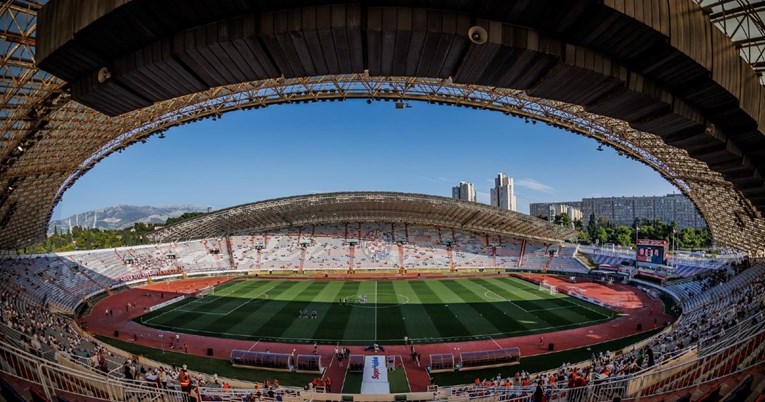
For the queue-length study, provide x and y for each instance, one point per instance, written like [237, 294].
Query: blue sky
[351, 146]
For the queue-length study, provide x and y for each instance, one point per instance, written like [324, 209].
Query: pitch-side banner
[375, 376]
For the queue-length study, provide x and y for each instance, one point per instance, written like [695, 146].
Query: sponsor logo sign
[375, 380]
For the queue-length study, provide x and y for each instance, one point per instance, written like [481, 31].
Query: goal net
[547, 288]
[204, 292]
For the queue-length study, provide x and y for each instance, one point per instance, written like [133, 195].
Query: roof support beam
[741, 9]
[16, 38]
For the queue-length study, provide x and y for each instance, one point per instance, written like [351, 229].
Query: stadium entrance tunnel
[634, 78]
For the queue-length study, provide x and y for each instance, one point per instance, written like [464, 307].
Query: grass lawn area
[352, 384]
[365, 312]
[398, 382]
[209, 365]
[534, 364]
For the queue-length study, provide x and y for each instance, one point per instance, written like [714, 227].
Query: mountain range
[122, 216]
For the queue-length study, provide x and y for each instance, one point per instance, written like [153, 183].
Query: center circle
[379, 300]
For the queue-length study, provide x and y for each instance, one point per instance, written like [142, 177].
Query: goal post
[207, 291]
[547, 288]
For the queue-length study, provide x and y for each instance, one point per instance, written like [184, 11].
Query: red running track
[635, 307]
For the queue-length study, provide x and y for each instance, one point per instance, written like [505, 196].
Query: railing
[742, 355]
[742, 330]
[696, 371]
[13, 336]
[708, 262]
[239, 395]
[55, 379]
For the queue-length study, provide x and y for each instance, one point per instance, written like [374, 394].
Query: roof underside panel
[48, 140]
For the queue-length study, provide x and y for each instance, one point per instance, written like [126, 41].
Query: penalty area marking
[500, 297]
[262, 296]
[215, 297]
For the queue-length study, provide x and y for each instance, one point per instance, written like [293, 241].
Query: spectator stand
[489, 358]
[441, 363]
[218, 394]
[309, 364]
[262, 360]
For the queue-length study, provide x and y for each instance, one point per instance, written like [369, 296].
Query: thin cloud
[438, 180]
[532, 184]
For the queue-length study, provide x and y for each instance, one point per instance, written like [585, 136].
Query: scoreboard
[651, 251]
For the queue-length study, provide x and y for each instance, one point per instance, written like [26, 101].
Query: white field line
[500, 297]
[183, 310]
[333, 340]
[375, 311]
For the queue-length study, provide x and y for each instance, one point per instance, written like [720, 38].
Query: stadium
[383, 296]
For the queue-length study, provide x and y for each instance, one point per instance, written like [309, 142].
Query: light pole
[637, 235]
[673, 241]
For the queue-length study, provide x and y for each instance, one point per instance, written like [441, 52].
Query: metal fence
[50, 379]
[740, 349]
[741, 355]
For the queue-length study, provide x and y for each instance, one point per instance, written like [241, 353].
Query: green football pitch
[364, 312]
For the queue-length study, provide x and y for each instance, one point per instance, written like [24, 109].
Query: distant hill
[123, 216]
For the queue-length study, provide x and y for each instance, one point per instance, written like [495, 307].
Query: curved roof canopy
[742, 22]
[364, 207]
[659, 81]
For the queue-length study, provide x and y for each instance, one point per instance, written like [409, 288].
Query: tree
[578, 224]
[624, 236]
[583, 237]
[185, 216]
[565, 219]
[592, 227]
[601, 235]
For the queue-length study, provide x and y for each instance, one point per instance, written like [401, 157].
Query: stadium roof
[364, 207]
[742, 22]
[639, 79]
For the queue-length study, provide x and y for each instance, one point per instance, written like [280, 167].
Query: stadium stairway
[416, 375]
[758, 391]
[336, 373]
[302, 260]
[9, 393]
[84, 272]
